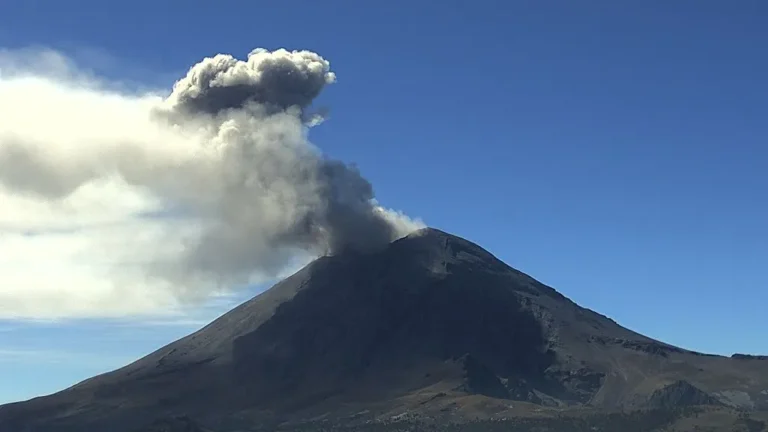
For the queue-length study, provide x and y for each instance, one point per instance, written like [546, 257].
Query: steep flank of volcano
[433, 325]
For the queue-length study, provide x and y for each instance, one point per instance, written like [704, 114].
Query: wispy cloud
[72, 258]
[11, 355]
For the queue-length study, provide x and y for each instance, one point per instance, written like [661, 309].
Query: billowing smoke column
[228, 150]
[275, 183]
[278, 80]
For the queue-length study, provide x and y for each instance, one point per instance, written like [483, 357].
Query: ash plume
[224, 160]
[277, 80]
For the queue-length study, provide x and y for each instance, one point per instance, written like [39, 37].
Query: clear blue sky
[614, 150]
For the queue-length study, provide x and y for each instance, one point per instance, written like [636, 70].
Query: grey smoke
[258, 190]
[17, 163]
[275, 80]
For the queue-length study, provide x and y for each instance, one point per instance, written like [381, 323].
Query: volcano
[431, 327]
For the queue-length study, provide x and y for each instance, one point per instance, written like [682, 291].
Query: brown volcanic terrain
[433, 328]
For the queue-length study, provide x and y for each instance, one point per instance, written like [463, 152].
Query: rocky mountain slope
[432, 328]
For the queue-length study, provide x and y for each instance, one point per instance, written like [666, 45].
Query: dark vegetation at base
[636, 421]
[749, 357]
[751, 425]
[174, 424]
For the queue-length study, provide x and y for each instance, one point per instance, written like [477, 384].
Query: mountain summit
[432, 326]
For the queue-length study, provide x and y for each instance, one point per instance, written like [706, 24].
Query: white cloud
[108, 209]
[83, 256]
